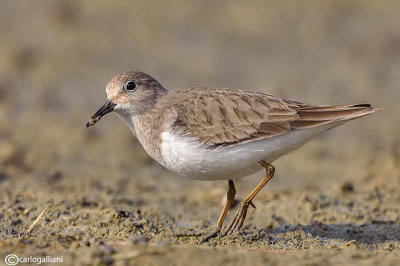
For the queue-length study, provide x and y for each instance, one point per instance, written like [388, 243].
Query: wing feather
[223, 117]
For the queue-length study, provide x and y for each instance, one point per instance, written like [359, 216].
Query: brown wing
[223, 117]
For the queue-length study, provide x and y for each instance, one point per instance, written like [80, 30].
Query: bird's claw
[212, 235]
[237, 221]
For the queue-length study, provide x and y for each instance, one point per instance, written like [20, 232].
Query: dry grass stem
[29, 230]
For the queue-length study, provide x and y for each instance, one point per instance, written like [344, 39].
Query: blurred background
[57, 56]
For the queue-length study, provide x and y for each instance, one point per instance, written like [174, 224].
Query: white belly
[187, 157]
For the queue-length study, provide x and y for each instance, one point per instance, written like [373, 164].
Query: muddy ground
[334, 201]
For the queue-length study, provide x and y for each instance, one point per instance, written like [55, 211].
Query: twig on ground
[29, 230]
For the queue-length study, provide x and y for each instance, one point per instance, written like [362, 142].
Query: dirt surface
[334, 201]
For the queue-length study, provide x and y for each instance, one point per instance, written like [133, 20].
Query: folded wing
[223, 117]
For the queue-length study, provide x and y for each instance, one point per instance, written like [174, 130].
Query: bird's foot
[237, 221]
[212, 235]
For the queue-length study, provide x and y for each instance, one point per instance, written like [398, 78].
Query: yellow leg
[230, 196]
[242, 210]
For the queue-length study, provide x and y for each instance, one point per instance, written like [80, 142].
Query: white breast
[189, 158]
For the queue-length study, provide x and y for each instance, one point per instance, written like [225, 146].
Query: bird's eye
[130, 86]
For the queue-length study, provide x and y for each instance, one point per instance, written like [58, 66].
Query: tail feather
[312, 116]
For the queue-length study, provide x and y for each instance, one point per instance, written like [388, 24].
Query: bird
[209, 134]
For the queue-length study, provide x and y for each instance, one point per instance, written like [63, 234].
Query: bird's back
[223, 117]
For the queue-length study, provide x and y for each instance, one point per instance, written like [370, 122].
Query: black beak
[105, 109]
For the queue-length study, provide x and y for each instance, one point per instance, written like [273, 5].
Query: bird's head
[129, 94]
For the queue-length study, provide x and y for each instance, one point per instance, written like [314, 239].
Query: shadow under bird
[218, 134]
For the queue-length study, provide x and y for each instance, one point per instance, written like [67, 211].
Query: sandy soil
[335, 201]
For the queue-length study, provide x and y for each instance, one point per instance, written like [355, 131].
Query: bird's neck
[146, 128]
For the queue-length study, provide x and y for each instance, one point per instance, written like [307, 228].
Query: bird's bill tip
[103, 110]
